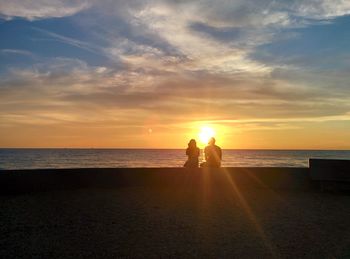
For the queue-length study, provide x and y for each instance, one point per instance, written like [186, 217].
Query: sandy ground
[202, 221]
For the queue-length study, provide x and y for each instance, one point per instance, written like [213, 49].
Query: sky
[263, 74]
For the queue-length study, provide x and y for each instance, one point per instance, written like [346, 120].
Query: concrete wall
[330, 170]
[22, 181]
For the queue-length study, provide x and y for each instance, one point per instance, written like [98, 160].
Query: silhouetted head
[211, 141]
[192, 143]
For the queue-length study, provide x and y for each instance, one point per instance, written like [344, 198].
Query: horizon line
[143, 148]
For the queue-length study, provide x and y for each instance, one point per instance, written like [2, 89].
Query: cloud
[41, 9]
[321, 9]
[68, 86]
[16, 52]
[240, 13]
[270, 13]
[68, 40]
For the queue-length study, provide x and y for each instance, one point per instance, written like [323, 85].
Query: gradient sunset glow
[153, 74]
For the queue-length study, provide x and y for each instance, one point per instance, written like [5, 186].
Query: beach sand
[211, 219]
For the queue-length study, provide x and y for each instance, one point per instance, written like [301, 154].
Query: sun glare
[205, 134]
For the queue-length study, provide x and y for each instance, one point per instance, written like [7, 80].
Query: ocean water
[78, 158]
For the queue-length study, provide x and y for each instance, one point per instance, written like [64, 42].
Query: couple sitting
[212, 154]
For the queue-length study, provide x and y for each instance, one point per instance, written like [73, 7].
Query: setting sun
[205, 134]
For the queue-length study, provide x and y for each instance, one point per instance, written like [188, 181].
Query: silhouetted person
[192, 153]
[213, 154]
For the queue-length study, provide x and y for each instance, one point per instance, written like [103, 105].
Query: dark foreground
[190, 214]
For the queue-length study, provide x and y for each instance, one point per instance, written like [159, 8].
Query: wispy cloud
[67, 40]
[74, 83]
[41, 9]
[17, 52]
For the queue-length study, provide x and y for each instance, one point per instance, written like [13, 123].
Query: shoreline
[154, 158]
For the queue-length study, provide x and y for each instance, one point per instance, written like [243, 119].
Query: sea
[125, 158]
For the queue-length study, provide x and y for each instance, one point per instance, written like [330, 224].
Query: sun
[205, 134]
